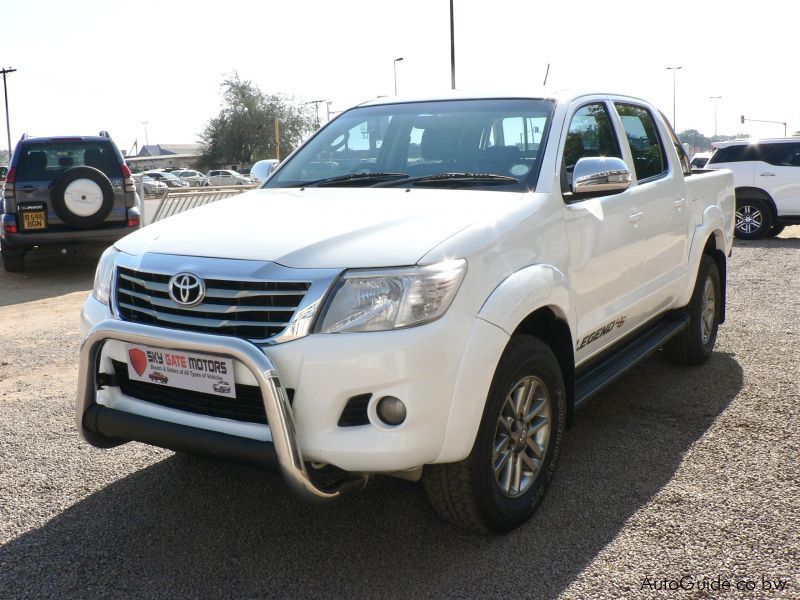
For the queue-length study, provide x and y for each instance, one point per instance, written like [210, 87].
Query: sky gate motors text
[182, 361]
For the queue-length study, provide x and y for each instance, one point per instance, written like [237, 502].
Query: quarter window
[649, 157]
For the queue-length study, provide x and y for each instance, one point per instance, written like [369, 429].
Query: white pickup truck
[426, 289]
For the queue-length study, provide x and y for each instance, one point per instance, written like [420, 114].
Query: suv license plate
[33, 220]
[204, 373]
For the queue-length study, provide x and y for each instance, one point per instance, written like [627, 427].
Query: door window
[589, 134]
[649, 157]
[781, 155]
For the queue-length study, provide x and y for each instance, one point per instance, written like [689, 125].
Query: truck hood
[321, 227]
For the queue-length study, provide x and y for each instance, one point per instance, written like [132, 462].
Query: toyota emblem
[187, 289]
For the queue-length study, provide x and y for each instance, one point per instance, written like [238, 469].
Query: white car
[766, 174]
[190, 176]
[425, 289]
[226, 177]
[151, 186]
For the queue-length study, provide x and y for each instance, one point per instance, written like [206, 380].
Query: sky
[83, 66]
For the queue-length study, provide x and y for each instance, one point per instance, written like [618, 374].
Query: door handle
[679, 203]
[767, 174]
[635, 217]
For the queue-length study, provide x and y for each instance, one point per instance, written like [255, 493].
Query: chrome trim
[276, 403]
[299, 325]
[600, 174]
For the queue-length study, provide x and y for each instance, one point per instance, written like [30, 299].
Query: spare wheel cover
[83, 197]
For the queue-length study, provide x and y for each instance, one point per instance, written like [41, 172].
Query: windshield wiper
[353, 177]
[457, 178]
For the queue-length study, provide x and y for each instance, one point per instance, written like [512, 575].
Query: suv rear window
[46, 161]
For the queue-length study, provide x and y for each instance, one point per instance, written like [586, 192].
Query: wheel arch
[754, 193]
[551, 327]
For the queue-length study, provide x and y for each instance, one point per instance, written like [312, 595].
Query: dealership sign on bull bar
[185, 370]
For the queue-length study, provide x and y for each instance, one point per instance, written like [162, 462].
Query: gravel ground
[671, 472]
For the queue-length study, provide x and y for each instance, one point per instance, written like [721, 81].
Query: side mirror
[263, 169]
[600, 174]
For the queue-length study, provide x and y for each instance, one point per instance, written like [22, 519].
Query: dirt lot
[671, 473]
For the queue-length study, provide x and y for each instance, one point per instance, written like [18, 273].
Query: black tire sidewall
[775, 230]
[73, 174]
[766, 223]
[531, 357]
[708, 268]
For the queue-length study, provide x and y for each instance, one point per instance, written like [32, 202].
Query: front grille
[247, 406]
[253, 310]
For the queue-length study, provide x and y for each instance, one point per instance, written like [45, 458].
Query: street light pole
[674, 120]
[452, 49]
[394, 65]
[715, 98]
[5, 73]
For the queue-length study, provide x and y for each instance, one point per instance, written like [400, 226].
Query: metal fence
[178, 200]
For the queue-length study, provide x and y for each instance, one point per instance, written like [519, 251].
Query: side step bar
[594, 377]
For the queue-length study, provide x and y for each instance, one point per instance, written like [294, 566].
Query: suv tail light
[9, 189]
[130, 184]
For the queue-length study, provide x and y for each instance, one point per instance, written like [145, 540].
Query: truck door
[604, 238]
[660, 198]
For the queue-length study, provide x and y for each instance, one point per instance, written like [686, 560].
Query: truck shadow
[187, 527]
[49, 273]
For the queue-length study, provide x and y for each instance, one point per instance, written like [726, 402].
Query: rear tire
[753, 219]
[13, 260]
[503, 480]
[694, 344]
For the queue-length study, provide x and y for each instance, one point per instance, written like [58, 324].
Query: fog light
[391, 410]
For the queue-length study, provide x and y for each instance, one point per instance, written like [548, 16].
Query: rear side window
[47, 161]
[649, 156]
[781, 155]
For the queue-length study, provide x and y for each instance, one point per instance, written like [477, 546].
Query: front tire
[503, 480]
[753, 219]
[694, 344]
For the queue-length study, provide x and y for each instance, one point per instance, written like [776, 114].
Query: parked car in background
[169, 179]
[190, 176]
[766, 174]
[3, 173]
[263, 169]
[65, 191]
[151, 186]
[226, 177]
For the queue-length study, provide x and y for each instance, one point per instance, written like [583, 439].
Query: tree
[244, 130]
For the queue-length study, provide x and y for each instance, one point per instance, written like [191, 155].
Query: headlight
[103, 275]
[392, 298]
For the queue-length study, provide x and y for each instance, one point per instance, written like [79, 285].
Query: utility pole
[715, 98]
[452, 49]
[146, 140]
[674, 123]
[5, 73]
[316, 104]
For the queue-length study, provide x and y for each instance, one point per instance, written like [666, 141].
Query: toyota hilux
[426, 289]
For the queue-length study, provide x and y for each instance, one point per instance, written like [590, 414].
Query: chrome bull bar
[276, 402]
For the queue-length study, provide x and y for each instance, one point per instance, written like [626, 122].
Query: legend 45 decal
[597, 334]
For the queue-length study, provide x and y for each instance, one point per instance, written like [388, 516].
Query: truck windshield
[455, 144]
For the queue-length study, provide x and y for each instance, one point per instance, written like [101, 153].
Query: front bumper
[105, 427]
